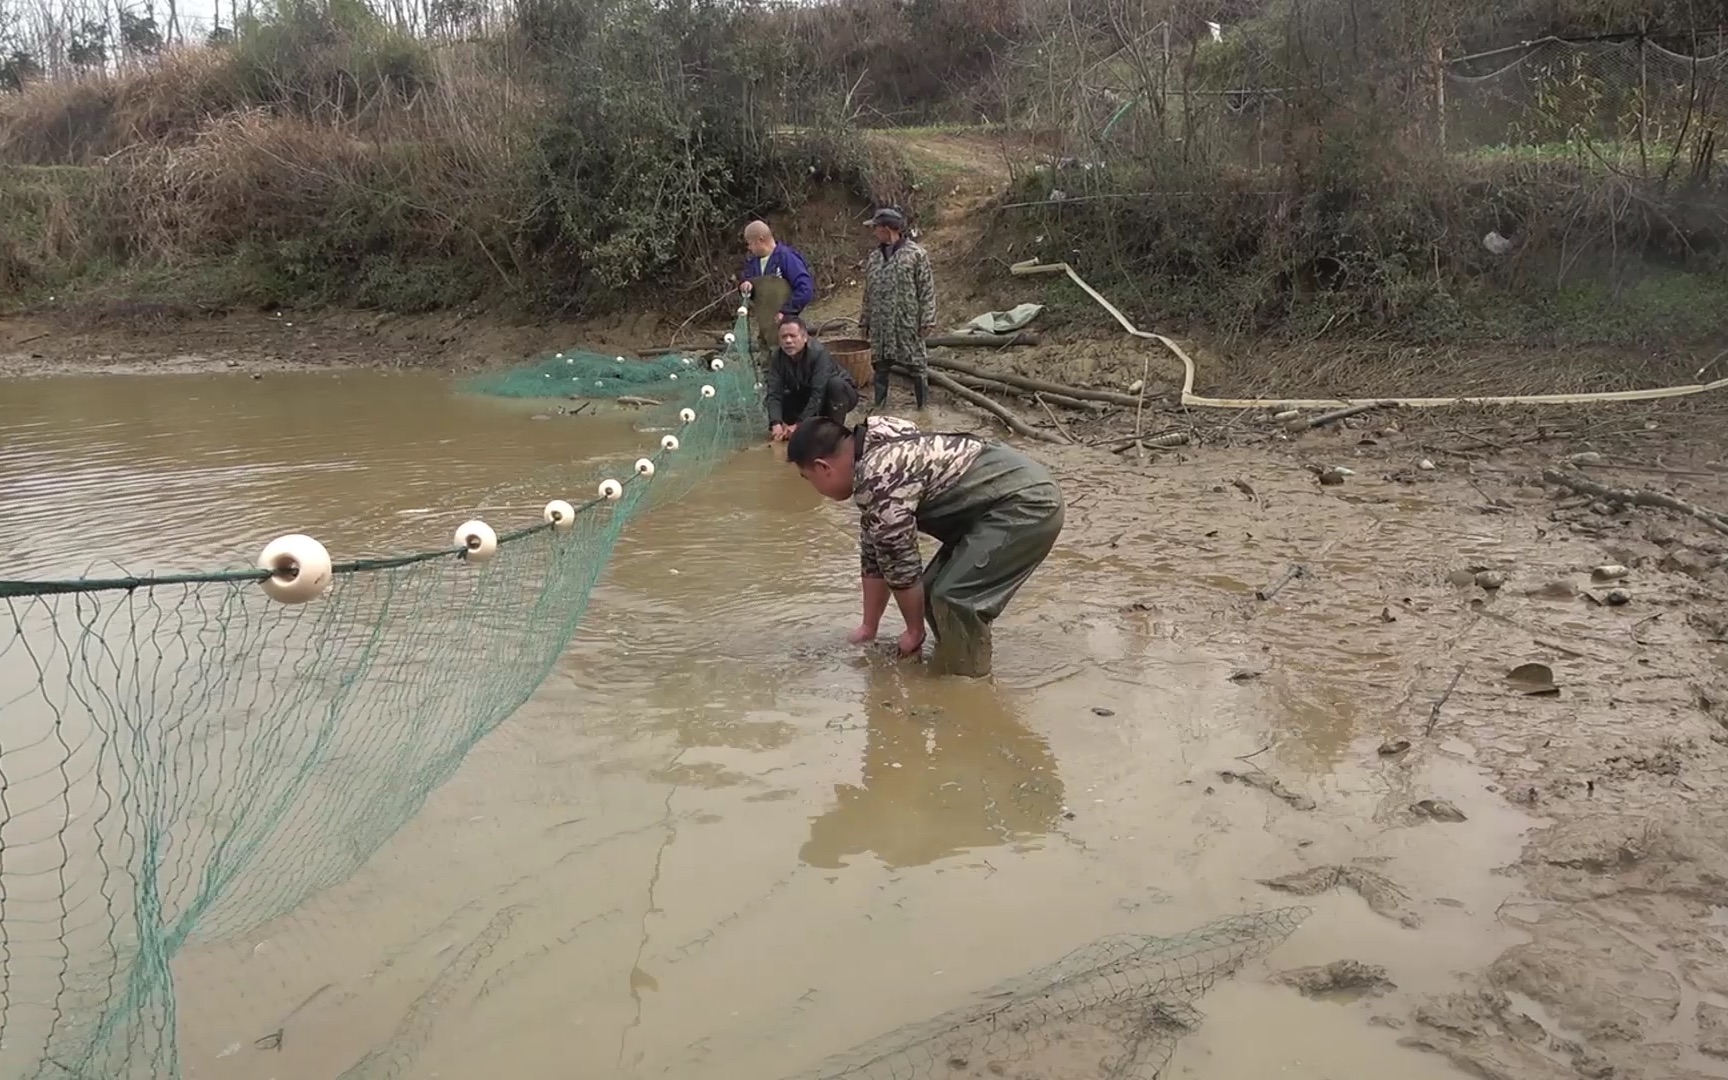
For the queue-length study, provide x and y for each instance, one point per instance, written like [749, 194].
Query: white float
[644, 467]
[719, 364]
[707, 391]
[669, 442]
[742, 311]
[611, 489]
[560, 515]
[299, 568]
[479, 539]
[687, 414]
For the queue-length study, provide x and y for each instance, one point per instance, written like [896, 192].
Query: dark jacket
[801, 386]
[786, 263]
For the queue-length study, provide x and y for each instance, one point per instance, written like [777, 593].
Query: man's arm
[924, 282]
[823, 371]
[776, 390]
[873, 587]
[891, 525]
[802, 281]
[864, 305]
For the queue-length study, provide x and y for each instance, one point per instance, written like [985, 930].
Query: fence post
[1440, 97]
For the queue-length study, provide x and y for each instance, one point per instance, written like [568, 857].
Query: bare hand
[912, 641]
[863, 635]
[779, 316]
[780, 433]
[746, 287]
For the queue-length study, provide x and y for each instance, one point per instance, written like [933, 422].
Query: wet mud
[720, 843]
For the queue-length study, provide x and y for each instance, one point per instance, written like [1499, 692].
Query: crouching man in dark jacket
[804, 382]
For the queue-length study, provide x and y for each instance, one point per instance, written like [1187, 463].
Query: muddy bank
[1420, 590]
[1449, 577]
[168, 339]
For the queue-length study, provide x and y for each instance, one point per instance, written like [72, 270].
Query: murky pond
[717, 842]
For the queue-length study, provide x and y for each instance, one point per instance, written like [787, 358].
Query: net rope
[184, 758]
[1113, 1009]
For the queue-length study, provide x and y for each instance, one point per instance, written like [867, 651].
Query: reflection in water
[948, 767]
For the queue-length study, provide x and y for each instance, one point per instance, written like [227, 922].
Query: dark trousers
[970, 580]
[837, 401]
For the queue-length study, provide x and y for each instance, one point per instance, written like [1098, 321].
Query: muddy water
[718, 843]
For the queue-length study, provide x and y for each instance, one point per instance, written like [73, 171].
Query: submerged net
[183, 758]
[1111, 1010]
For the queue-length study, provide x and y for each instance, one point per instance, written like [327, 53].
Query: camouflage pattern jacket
[898, 469]
[899, 301]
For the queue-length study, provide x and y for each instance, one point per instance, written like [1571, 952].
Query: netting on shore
[1113, 1010]
[183, 757]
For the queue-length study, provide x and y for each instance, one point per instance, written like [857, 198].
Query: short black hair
[815, 440]
[796, 320]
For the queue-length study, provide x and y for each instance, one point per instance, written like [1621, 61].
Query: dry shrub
[908, 61]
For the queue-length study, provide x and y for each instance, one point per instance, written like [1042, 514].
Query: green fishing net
[184, 758]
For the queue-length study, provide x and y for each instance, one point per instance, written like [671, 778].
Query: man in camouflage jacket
[997, 513]
[899, 305]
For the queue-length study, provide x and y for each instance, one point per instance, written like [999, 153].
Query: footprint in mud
[1384, 897]
[1341, 980]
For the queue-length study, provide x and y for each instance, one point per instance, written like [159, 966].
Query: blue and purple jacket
[786, 263]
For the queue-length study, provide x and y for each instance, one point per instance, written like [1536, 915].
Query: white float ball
[719, 364]
[730, 337]
[742, 311]
[611, 489]
[560, 514]
[644, 467]
[669, 442]
[687, 361]
[674, 375]
[299, 568]
[478, 540]
[707, 391]
[687, 414]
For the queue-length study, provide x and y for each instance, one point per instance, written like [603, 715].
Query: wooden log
[1109, 397]
[978, 382]
[993, 407]
[1716, 521]
[997, 341]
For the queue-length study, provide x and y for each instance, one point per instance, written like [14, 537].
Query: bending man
[804, 382]
[996, 512]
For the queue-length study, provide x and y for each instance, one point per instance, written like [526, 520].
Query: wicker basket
[853, 354]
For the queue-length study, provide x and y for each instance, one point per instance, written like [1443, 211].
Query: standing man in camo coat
[899, 305]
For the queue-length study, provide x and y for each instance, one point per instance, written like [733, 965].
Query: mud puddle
[718, 843]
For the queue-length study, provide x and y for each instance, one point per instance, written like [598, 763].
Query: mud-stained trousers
[996, 526]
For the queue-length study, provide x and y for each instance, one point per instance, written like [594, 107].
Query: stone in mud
[1558, 589]
[1600, 985]
[1340, 977]
[1693, 564]
[1617, 597]
[1713, 1029]
[1609, 572]
[1490, 580]
[1461, 578]
[1438, 810]
[1384, 897]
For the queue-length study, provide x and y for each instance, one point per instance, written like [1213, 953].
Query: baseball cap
[888, 216]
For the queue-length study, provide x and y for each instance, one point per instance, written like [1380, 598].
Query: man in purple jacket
[771, 259]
